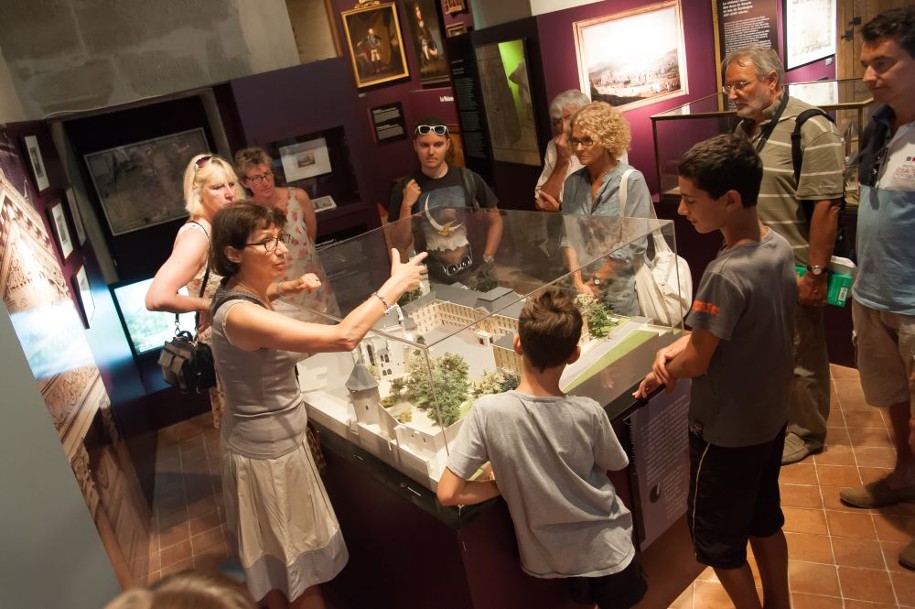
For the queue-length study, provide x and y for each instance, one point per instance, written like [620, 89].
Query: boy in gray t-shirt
[550, 453]
[740, 357]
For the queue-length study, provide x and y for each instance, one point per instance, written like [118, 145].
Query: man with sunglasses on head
[437, 192]
[754, 83]
[883, 306]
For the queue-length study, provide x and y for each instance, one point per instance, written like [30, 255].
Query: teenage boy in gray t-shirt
[550, 453]
[740, 357]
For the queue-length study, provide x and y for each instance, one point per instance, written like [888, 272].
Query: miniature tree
[448, 383]
[598, 320]
[494, 381]
[405, 417]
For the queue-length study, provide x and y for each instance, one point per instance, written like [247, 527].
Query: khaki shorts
[885, 353]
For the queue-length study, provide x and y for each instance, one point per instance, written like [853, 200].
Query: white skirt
[287, 534]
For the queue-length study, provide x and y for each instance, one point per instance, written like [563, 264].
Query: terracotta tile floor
[840, 557]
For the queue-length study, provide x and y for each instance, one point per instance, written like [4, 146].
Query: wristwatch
[595, 281]
[815, 270]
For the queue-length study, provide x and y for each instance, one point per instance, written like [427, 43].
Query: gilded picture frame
[614, 64]
[375, 43]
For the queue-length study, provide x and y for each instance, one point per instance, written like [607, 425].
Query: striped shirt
[821, 178]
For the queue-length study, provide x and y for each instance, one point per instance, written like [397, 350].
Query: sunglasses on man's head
[436, 129]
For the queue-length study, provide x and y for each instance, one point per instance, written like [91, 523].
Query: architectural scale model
[378, 396]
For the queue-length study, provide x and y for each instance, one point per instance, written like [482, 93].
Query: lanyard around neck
[770, 126]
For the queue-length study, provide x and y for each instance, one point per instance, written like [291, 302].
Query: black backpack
[842, 245]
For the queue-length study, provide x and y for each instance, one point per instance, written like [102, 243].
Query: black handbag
[186, 362]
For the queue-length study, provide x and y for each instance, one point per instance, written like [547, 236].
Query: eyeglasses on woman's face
[271, 243]
[585, 142]
[261, 178]
[436, 129]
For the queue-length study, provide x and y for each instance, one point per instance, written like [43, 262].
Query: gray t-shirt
[746, 298]
[550, 456]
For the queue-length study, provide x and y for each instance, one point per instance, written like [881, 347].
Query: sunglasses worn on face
[436, 129]
[271, 243]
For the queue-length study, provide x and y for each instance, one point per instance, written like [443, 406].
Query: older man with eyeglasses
[805, 210]
[438, 192]
[883, 306]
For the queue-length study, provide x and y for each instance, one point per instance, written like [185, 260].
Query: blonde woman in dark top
[287, 534]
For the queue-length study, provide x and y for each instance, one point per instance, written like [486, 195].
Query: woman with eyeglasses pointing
[284, 527]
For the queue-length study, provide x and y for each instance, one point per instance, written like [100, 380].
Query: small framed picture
[455, 6]
[83, 291]
[38, 170]
[77, 218]
[324, 203]
[455, 29]
[59, 220]
[305, 159]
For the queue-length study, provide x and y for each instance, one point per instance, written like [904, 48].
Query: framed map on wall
[140, 185]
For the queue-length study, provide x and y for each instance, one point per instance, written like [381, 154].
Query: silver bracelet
[277, 288]
[387, 308]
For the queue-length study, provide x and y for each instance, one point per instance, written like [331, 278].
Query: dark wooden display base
[409, 552]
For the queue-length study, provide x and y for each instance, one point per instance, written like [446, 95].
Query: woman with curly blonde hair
[598, 136]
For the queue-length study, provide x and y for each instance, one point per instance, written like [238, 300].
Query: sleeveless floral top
[193, 286]
[303, 258]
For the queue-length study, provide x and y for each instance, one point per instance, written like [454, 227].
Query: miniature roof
[360, 378]
[506, 341]
[493, 300]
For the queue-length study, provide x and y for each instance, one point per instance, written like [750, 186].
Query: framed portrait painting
[38, 170]
[140, 184]
[375, 44]
[424, 25]
[616, 66]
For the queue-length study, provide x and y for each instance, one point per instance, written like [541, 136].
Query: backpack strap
[468, 182]
[797, 155]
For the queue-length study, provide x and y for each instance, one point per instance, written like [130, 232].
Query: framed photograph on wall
[616, 66]
[424, 25]
[810, 31]
[305, 160]
[455, 29]
[375, 44]
[455, 6]
[61, 232]
[324, 203]
[83, 291]
[77, 218]
[38, 170]
[140, 185]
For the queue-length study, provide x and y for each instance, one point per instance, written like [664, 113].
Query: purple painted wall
[557, 40]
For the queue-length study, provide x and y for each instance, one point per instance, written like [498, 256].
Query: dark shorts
[733, 495]
[616, 591]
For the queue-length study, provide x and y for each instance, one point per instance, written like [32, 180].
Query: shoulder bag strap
[770, 126]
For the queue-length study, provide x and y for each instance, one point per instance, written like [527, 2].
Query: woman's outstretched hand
[407, 275]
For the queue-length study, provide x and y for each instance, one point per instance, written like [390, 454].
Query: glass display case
[676, 130]
[402, 394]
